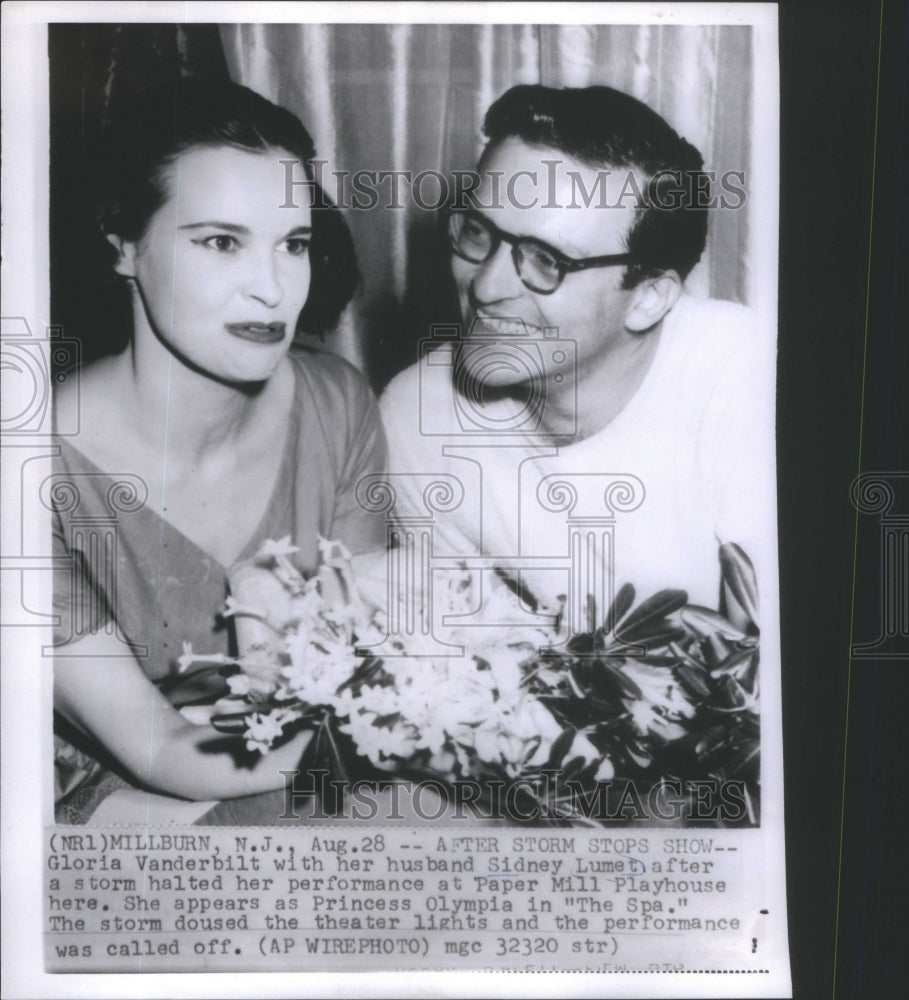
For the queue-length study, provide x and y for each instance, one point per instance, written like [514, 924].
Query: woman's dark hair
[145, 133]
[605, 128]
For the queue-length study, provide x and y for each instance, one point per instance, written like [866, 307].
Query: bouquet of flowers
[662, 695]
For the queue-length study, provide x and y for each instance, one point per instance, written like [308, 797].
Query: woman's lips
[259, 333]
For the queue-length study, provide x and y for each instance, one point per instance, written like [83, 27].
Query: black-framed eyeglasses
[540, 267]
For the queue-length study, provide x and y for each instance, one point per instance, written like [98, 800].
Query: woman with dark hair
[210, 433]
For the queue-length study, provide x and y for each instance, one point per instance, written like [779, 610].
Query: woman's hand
[107, 696]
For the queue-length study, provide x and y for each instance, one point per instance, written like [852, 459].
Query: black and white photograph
[391, 410]
[528, 574]
[411, 478]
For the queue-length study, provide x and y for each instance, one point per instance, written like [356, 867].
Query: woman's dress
[132, 574]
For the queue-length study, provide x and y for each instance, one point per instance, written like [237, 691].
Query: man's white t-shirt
[687, 465]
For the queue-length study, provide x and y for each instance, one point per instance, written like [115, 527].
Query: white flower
[271, 548]
[334, 553]
[261, 663]
[661, 695]
[447, 707]
[318, 668]
[310, 604]
[378, 742]
[454, 593]
[189, 658]
[647, 719]
[663, 703]
[263, 729]
[239, 684]
[505, 667]
[520, 737]
[275, 554]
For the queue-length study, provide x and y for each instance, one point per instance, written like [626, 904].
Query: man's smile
[483, 325]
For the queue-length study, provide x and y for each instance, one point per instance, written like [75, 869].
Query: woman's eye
[296, 246]
[220, 242]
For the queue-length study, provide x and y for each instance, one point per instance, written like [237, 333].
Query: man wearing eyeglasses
[582, 360]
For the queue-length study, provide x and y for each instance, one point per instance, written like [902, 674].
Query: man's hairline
[541, 147]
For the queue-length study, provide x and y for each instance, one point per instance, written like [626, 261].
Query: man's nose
[262, 281]
[497, 279]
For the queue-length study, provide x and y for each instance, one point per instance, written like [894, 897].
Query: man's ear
[126, 255]
[651, 299]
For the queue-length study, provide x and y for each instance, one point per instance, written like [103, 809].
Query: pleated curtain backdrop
[401, 97]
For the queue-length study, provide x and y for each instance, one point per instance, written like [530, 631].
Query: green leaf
[747, 756]
[560, 746]
[581, 644]
[608, 677]
[650, 614]
[710, 741]
[646, 641]
[694, 681]
[734, 660]
[748, 676]
[325, 750]
[532, 748]
[730, 693]
[716, 649]
[639, 755]
[704, 622]
[739, 587]
[619, 608]
[234, 722]
[657, 660]
[572, 768]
